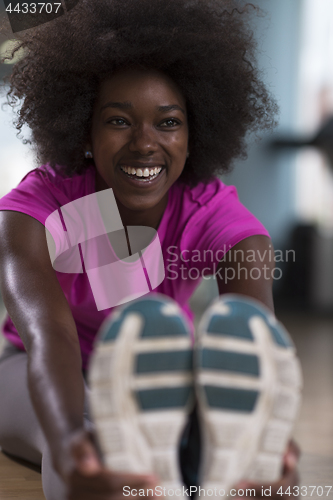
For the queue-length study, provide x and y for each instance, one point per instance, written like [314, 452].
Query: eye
[170, 122]
[117, 121]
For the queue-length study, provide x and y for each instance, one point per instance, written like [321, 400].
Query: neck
[150, 218]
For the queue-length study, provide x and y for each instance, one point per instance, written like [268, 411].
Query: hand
[290, 477]
[88, 479]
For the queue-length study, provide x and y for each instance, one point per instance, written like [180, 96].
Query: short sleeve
[32, 197]
[42, 191]
[217, 227]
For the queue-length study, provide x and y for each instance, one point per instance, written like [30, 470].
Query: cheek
[106, 145]
[178, 145]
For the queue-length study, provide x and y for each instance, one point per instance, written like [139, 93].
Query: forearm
[251, 277]
[56, 388]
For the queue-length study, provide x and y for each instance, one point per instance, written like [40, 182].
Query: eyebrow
[119, 105]
[128, 105]
[171, 107]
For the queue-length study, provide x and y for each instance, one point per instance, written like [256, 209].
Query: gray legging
[20, 432]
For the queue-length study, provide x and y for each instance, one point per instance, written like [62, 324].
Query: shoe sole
[248, 383]
[141, 379]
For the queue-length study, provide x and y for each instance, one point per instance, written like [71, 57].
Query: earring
[88, 154]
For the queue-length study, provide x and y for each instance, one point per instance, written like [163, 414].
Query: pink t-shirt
[198, 226]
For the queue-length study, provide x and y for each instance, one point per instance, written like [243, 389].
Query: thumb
[85, 457]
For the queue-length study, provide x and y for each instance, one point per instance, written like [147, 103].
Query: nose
[143, 140]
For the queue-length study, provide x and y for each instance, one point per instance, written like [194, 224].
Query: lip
[141, 164]
[134, 181]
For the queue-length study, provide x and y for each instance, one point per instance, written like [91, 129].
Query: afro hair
[206, 46]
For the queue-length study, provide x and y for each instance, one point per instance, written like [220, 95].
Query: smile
[142, 174]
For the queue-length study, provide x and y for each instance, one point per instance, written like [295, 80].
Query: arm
[41, 314]
[256, 255]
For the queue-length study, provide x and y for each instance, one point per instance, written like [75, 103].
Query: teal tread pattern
[162, 319]
[230, 326]
[242, 363]
[236, 324]
[152, 313]
[164, 361]
[164, 398]
[226, 398]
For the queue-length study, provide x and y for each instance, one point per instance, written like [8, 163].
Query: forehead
[138, 85]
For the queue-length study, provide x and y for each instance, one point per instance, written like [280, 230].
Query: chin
[140, 207]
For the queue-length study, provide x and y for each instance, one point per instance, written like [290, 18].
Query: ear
[88, 151]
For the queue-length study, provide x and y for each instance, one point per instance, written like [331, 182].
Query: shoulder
[44, 190]
[205, 202]
[203, 195]
[217, 216]
[58, 183]
[190, 204]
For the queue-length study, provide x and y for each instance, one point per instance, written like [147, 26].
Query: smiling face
[139, 140]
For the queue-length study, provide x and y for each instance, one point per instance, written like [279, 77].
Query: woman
[115, 92]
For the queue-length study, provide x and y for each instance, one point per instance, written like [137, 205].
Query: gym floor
[313, 337]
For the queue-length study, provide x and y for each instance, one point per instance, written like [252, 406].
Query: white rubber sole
[142, 388]
[248, 383]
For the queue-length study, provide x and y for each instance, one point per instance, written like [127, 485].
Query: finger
[289, 479]
[290, 463]
[291, 457]
[85, 457]
[294, 448]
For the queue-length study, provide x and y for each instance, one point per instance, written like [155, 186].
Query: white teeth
[146, 172]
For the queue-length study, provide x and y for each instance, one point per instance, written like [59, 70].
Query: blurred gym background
[287, 182]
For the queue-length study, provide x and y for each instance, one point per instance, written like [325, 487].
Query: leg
[53, 486]
[248, 382]
[20, 432]
[142, 387]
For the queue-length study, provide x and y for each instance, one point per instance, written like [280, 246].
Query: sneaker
[248, 383]
[141, 380]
